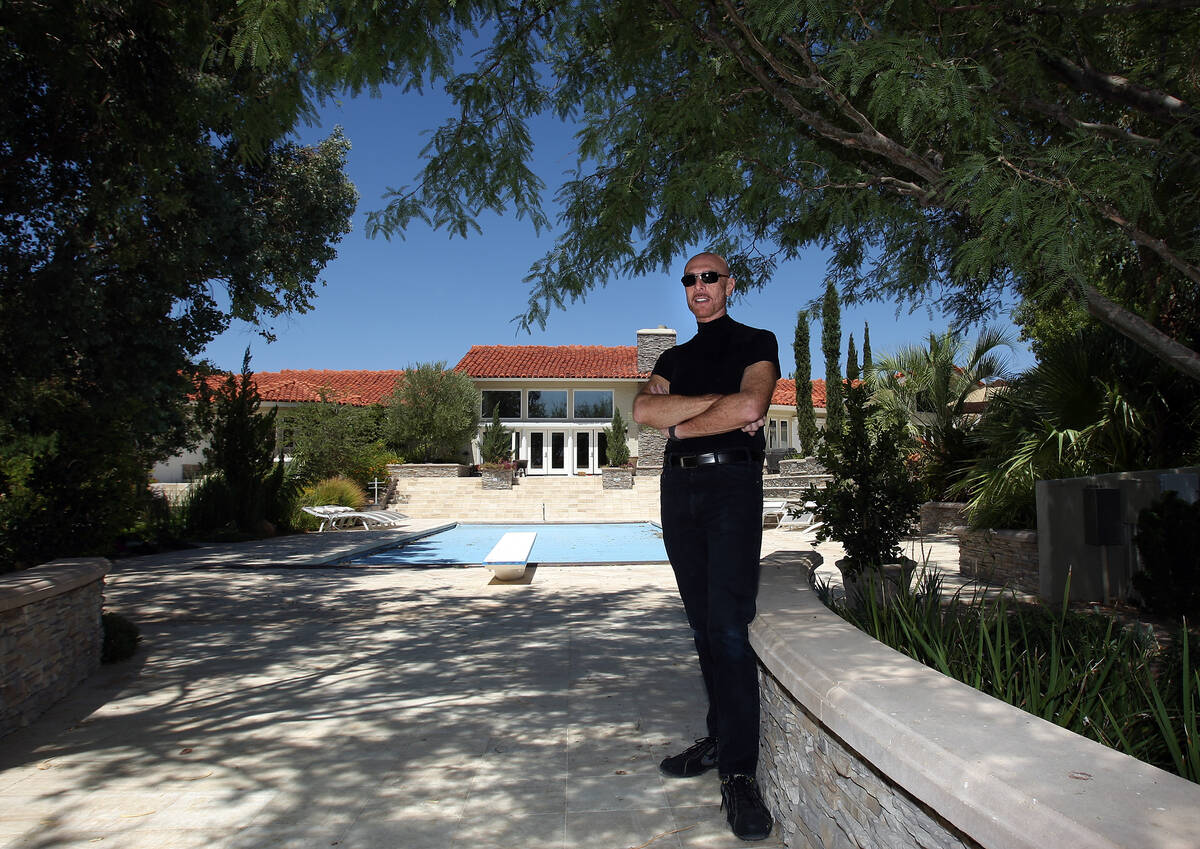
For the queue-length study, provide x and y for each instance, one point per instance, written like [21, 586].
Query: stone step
[532, 499]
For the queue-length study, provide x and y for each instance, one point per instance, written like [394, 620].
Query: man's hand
[755, 426]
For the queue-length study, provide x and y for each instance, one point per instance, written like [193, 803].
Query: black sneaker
[744, 807]
[696, 759]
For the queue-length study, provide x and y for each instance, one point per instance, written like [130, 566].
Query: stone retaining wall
[809, 773]
[50, 635]
[428, 470]
[999, 557]
[941, 516]
[864, 747]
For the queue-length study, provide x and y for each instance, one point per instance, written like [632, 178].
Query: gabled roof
[785, 393]
[355, 387]
[552, 361]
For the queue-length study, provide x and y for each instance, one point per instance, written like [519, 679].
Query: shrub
[336, 490]
[495, 444]
[871, 502]
[433, 413]
[327, 438]
[241, 453]
[615, 436]
[120, 638]
[1168, 539]
[207, 512]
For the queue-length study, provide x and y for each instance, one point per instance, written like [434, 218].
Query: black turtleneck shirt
[714, 360]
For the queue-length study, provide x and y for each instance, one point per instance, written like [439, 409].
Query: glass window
[548, 404]
[772, 434]
[593, 404]
[508, 399]
[536, 444]
[783, 434]
[581, 451]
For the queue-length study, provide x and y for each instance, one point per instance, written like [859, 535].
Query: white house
[557, 399]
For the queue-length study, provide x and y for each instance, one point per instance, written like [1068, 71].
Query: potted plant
[872, 499]
[495, 450]
[618, 474]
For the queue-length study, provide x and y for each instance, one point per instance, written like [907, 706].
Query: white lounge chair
[774, 511]
[335, 517]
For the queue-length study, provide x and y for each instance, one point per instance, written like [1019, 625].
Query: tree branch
[1120, 90]
[1145, 334]
[1060, 114]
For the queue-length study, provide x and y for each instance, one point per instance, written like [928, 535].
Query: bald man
[710, 397]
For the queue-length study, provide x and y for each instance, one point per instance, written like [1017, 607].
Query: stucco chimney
[651, 343]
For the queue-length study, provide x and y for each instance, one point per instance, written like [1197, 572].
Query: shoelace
[740, 791]
[701, 745]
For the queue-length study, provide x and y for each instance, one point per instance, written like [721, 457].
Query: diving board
[509, 557]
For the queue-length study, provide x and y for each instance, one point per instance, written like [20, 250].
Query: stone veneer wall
[428, 470]
[937, 516]
[999, 557]
[651, 443]
[864, 747]
[825, 795]
[50, 635]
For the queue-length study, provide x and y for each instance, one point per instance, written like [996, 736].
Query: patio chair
[336, 517]
[774, 511]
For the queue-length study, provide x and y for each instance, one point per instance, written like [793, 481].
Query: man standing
[710, 395]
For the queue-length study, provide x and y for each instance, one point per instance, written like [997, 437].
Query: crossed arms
[705, 415]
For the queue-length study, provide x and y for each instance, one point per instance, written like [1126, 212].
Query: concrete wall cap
[18, 589]
[1004, 777]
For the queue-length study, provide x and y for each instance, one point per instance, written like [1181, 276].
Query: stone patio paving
[366, 708]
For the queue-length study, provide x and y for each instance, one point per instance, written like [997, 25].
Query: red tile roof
[785, 393]
[565, 361]
[354, 387]
[360, 388]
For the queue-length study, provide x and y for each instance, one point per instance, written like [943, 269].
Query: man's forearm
[727, 413]
[663, 411]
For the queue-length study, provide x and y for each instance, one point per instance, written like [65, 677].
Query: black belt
[727, 455]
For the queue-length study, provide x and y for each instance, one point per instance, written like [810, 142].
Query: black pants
[712, 529]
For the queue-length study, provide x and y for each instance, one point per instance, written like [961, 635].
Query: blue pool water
[634, 542]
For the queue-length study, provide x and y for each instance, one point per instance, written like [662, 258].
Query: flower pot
[617, 477]
[883, 583]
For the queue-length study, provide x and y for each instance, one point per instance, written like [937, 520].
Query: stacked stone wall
[428, 470]
[651, 443]
[1000, 557]
[940, 516]
[50, 635]
[827, 796]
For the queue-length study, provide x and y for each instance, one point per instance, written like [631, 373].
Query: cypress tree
[806, 417]
[831, 345]
[615, 435]
[866, 367]
[851, 360]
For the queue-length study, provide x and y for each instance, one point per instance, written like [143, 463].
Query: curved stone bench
[863, 746]
[50, 635]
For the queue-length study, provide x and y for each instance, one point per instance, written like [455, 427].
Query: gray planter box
[619, 477]
[497, 478]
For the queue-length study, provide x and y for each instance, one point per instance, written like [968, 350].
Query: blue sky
[428, 298]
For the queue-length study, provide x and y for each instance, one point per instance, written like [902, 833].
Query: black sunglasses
[709, 277]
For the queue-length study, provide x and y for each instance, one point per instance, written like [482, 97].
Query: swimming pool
[464, 544]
